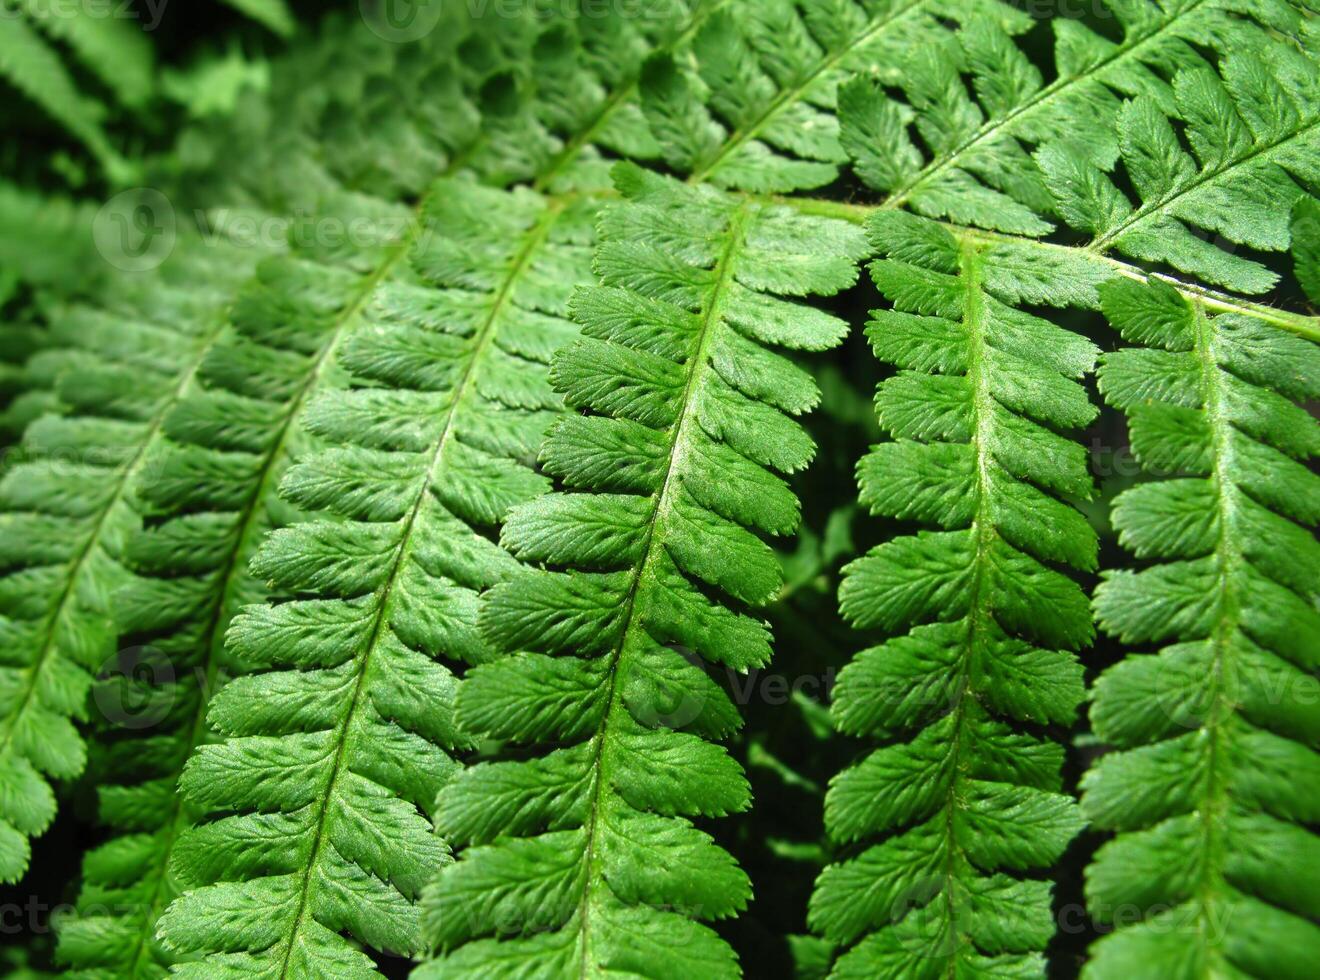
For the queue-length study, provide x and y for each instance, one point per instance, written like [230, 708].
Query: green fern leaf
[515, 96]
[1210, 789]
[20, 339]
[68, 508]
[755, 112]
[284, 312]
[1306, 246]
[209, 488]
[114, 48]
[47, 240]
[30, 64]
[337, 742]
[1254, 130]
[1073, 183]
[582, 859]
[968, 799]
[585, 74]
[980, 106]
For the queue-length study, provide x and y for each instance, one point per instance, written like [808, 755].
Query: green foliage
[274, 357]
[69, 511]
[1253, 129]
[33, 67]
[209, 487]
[1211, 788]
[579, 855]
[1306, 246]
[757, 112]
[47, 45]
[112, 48]
[46, 240]
[273, 14]
[408, 549]
[337, 739]
[981, 105]
[982, 626]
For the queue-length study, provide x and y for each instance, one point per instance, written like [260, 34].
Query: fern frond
[1254, 133]
[980, 106]
[338, 740]
[586, 73]
[113, 48]
[1254, 129]
[557, 92]
[46, 244]
[1212, 786]
[20, 339]
[209, 489]
[213, 496]
[68, 508]
[30, 64]
[361, 124]
[968, 798]
[238, 462]
[754, 106]
[582, 859]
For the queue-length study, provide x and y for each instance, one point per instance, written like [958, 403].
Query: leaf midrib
[1228, 559]
[984, 534]
[860, 214]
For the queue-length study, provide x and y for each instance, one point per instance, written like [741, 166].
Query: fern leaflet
[1252, 131]
[979, 170]
[968, 798]
[1212, 787]
[209, 489]
[280, 323]
[112, 47]
[337, 744]
[33, 67]
[272, 14]
[1306, 246]
[757, 112]
[582, 859]
[68, 509]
